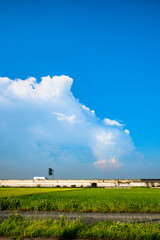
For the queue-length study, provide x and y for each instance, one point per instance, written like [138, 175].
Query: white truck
[40, 178]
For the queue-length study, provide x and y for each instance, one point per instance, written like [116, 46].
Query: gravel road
[90, 217]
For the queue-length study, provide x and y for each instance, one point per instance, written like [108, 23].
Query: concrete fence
[82, 183]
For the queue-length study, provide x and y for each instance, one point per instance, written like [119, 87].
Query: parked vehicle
[40, 178]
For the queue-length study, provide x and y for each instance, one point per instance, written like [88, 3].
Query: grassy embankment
[80, 200]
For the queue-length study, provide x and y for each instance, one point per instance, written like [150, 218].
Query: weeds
[18, 227]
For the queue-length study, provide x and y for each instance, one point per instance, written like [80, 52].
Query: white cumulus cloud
[44, 121]
[62, 117]
[105, 164]
[108, 121]
[127, 131]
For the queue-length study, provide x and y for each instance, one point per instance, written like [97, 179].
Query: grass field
[12, 192]
[80, 200]
[17, 227]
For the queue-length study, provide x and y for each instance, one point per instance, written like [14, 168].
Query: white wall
[80, 183]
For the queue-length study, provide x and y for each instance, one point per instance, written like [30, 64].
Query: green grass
[85, 200]
[11, 192]
[17, 227]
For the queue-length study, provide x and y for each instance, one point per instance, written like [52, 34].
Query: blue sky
[111, 51]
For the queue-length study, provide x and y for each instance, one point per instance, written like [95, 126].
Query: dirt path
[90, 217]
